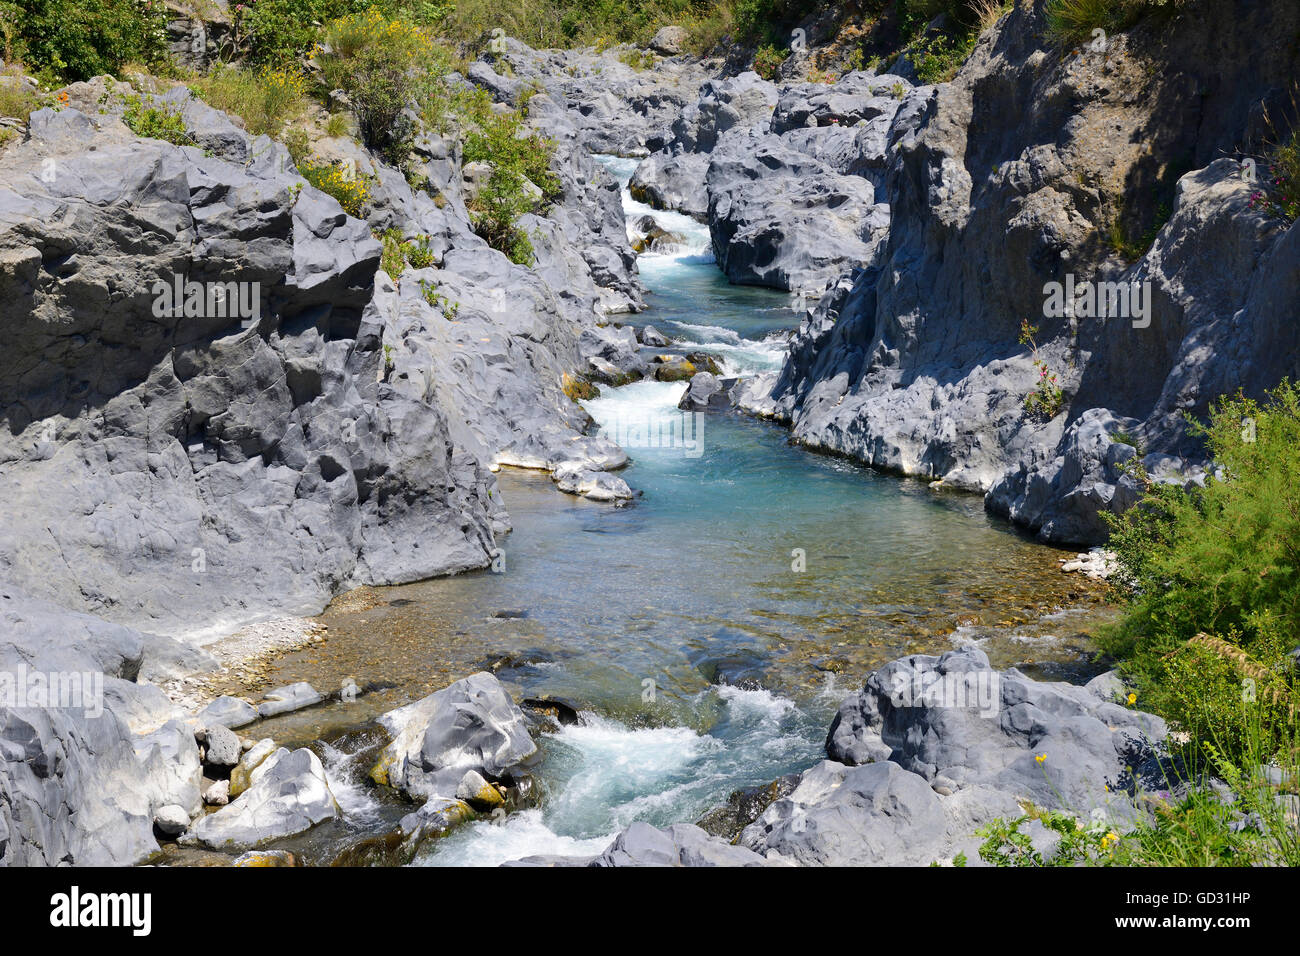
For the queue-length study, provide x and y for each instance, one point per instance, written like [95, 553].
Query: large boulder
[681, 844]
[954, 718]
[289, 794]
[874, 815]
[472, 724]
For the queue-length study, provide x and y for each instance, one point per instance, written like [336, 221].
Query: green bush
[1212, 578]
[146, 117]
[76, 39]
[382, 64]
[1279, 194]
[330, 178]
[517, 157]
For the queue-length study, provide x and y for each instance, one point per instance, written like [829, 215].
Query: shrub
[1212, 578]
[77, 39]
[517, 157]
[265, 100]
[16, 97]
[768, 60]
[1072, 22]
[332, 179]
[381, 64]
[145, 116]
[1279, 194]
[1047, 399]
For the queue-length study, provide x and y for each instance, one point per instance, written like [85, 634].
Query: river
[707, 631]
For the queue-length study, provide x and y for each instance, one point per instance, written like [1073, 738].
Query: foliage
[382, 64]
[1047, 398]
[68, 40]
[768, 60]
[145, 116]
[1212, 579]
[517, 156]
[1006, 844]
[1279, 195]
[16, 97]
[351, 191]
[1072, 22]
[938, 58]
[265, 100]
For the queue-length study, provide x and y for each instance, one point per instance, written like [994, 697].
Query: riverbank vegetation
[1209, 580]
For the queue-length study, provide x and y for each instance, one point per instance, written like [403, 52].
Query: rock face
[72, 789]
[289, 794]
[674, 176]
[470, 725]
[781, 218]
[216, 459]
[1001, 183]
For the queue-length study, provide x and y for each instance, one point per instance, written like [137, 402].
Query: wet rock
[265, 858]
[745, 806]
[652, 337]
[284, 700]
[596, 485]
[707, 391]
[564, 712]
[478, 793]
[470, 725]
[230, 712]
[288, 794]
[241, 777]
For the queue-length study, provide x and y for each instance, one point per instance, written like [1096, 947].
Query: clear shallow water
[709, 630]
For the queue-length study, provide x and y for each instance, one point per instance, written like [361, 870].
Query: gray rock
[706, 391]
[222, 747]
[1057, 745]
[171, 820]
[669, 40]
[922, 372]
[652, 337]
[470, 725]
[284, 700]
[218, 794]
[681, 844]
[289, 795]
[873, 815]
[779, 217]
[231, 712]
